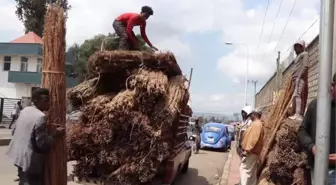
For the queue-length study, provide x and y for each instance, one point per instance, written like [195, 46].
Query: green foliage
[32, 12]
[79, 54]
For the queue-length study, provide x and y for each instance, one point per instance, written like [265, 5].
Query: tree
[32, 12]
[236, 116]
[79, 54]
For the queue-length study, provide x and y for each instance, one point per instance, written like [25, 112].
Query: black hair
[36, 95]
[148, 10]
[19, 102]
[256, 114]
[334, 78]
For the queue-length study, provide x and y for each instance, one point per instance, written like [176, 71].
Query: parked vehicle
[216, 136]
[231, 130]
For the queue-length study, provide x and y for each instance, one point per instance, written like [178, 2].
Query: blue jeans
[331, 177]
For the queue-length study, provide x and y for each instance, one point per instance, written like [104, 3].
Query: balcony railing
[35, 78]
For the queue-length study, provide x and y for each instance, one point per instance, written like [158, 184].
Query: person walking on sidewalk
[307, 134]
[123, 26]
[252, 145]
[300, 80]
[15, 114]
[31, 141]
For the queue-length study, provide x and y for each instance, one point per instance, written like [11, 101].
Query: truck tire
[185, 167]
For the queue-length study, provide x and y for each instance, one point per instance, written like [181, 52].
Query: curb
[226, 168]
[5, 141]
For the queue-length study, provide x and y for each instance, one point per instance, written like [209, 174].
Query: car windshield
[212, 129]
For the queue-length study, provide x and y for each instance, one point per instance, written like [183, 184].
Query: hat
[248, 109]
[300, 42]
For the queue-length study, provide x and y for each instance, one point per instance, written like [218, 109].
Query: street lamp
[247, 68]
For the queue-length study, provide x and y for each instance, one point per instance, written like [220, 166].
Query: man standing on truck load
[31, 141]
[123, 26]
[307, 134]
[300, 80]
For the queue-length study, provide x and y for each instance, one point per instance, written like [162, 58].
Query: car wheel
[185, 167]
[224, 149]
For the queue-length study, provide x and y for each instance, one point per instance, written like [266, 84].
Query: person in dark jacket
[31, 142]
[307, 134]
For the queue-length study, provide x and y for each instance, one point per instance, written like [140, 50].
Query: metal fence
[6, 107]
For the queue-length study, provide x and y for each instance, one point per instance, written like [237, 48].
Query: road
[205, 168]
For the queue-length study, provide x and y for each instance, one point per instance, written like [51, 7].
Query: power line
[276, 18]
[283, 31]
[303, 33]
[262, 27]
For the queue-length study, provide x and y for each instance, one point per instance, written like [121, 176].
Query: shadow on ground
[191, 178]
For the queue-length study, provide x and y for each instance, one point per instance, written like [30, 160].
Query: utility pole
[323, 98]
[278, 73]
[254, 92]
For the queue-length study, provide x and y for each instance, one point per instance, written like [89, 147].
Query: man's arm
[42, 138]
[143, 34]
[129, 30]
[304, 134]
[305, 65]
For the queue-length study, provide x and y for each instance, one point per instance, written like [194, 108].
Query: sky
[197, 31]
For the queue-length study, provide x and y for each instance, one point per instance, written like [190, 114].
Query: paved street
[205, 169]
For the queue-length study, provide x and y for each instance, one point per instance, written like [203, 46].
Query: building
[21, 63]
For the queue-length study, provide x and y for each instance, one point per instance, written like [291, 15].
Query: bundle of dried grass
[150, 81]
[53, 78]
[113, 61]
[168, 107]
[275, 119]
[84, 91]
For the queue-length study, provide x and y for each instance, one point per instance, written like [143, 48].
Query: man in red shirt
[123, 26]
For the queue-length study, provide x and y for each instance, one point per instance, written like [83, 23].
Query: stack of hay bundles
[130, 108]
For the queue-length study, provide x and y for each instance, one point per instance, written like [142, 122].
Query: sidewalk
[231, 169]
[234, 170]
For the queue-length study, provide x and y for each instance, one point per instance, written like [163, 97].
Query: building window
[7, 63]
[24, 64]
[39, 65]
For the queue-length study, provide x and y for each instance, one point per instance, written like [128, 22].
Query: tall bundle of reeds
[282, 161]
[53, 78]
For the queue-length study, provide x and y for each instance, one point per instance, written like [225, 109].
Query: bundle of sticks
[129, 112]
[282, 160]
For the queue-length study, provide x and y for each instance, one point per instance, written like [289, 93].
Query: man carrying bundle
[123, 26]
[252, 144]
[31, 141]
[300, 80]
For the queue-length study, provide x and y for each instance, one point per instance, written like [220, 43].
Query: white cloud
[174, 19]
[218, 103]
[247, 31]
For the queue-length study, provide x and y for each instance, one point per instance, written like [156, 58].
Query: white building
[21, 65]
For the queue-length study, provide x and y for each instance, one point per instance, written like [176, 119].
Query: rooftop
[29, 38]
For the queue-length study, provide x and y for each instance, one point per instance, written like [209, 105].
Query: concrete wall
[16, 90]
[265, 97]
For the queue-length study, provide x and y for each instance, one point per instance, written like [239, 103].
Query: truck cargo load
[134, 119]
